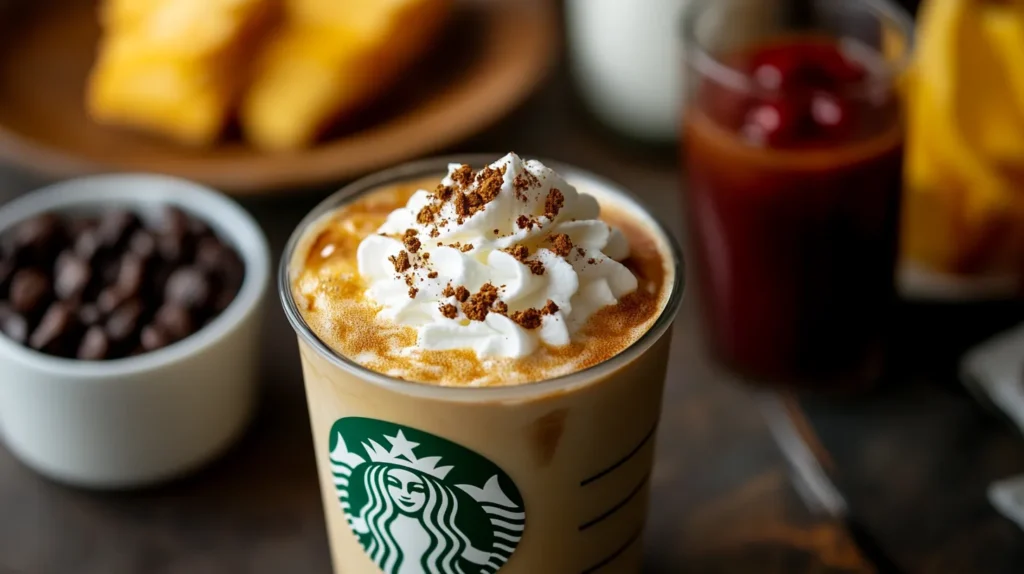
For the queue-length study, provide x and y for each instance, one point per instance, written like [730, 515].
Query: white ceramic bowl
[144, 419]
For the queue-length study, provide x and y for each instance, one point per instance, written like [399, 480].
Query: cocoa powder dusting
[520, 252]
[443, 192]
[562, 244]
[522, 183]
[524, 222]
[463, 176]
[479, 304]
[400, 261]
[500, 308]
[466, 247]
[411, 242]
[432, 275]
[461, 294]
[554, 202]
[489, 182]
[536, 267]
[448, 291]
[449, 311]
[550, 308]
[412, 292]
[461, 207]
[425, 216]
[527, 318]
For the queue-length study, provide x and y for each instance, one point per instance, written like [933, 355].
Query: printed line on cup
[608, 559]
[622, 460]
[618, 506]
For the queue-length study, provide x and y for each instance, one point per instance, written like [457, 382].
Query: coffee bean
[232, 275]
[224, 300]
[109, 270]
[108, 274]
[211, 254]
[37, 229]
[7, 269]
[175, 320]
[71, 276]
[89, 315]
[114, 227]
[8, 246]
[171, 247]
[142, 244]
[153, 338]
[87, 244]
[30, 290]
[198, 229]
[124, 320]
[13, 325]
[110, 299]
[188, 287]
[79, 225]
[175, 221]
[129, 277]
[160, 276]
[95, 346]
[56, 323]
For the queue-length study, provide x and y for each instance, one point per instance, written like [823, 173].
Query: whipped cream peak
[498, 261]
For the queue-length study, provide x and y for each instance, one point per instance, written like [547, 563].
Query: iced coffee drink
[484, 349]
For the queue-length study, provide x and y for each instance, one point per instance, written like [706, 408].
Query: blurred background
[846, 389]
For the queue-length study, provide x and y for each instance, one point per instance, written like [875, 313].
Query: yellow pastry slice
[174, 67]
[329, 59]
[962, 214]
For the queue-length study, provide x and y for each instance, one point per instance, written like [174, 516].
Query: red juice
[793, 205]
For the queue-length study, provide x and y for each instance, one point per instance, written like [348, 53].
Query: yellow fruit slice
[359, 16]
[985, 102]
[963, 121]
[1004, 28]
[174, 66]
[329, 59]
[942, 97]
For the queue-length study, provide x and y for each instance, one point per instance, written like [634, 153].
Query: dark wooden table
[722, 498]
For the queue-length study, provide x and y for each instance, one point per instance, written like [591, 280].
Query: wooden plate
[489, 59]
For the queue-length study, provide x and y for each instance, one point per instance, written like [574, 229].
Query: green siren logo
[420, 504]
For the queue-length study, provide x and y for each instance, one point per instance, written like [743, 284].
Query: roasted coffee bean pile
[112, 286]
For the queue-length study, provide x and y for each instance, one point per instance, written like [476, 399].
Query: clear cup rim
[438, 165]
[704, 63]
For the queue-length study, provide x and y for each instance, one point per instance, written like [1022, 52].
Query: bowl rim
[229, 219]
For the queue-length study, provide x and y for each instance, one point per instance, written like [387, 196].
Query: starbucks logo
[420, 504]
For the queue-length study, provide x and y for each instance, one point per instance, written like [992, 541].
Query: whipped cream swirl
[532, 256]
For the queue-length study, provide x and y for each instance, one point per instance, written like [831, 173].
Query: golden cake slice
[328, 59]
[174, 67]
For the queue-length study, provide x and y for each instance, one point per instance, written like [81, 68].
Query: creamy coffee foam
[499, 262]
[522, 282]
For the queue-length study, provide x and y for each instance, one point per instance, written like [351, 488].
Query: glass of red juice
[793, 145]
